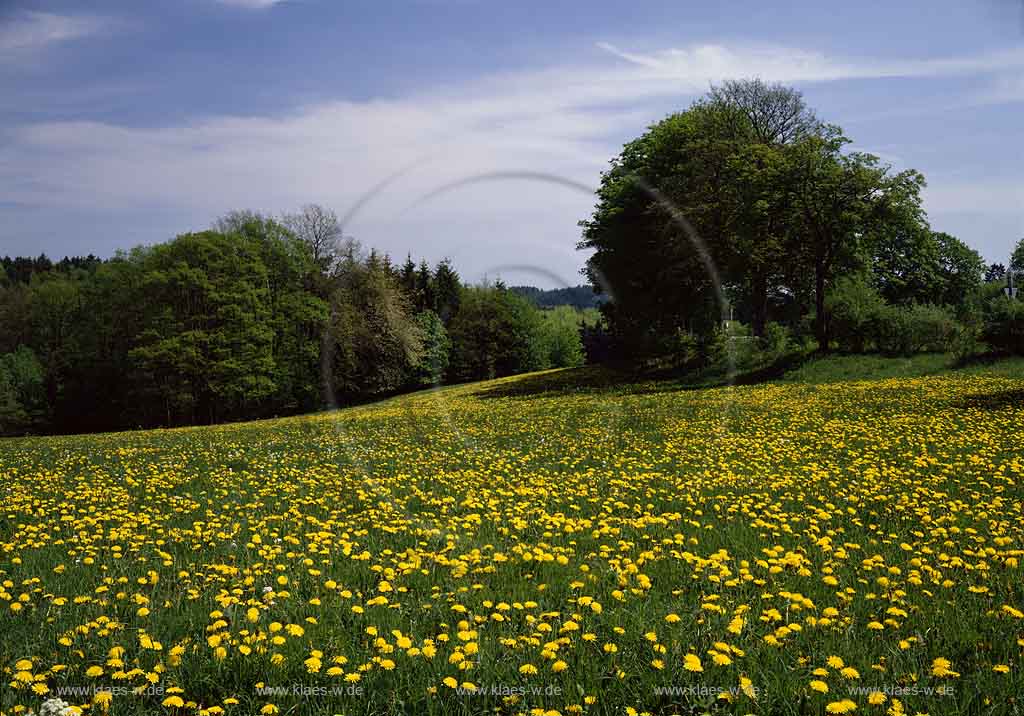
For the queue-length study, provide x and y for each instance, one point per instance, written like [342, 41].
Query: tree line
[256, 317]
[735, 232]
[747, 205]
[581, 297]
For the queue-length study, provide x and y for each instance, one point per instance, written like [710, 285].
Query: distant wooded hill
[576, 296]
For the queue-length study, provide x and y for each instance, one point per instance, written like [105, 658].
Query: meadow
[554, 543]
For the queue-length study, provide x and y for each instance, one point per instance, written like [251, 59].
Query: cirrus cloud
[33, 30]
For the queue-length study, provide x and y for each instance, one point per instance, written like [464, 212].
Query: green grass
[839, 368]
[858, 508]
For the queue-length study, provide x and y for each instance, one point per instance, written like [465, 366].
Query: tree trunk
[820, 319]
[759, 299]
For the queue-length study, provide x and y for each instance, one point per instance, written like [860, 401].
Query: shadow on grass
[992, 401]
[774, 371]
[799, 367]
[602, 379]
[572, 381]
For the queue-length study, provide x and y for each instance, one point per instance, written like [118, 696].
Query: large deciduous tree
[207, 346]
[766, 120]
[747, 195]
[1017, 259]
[297, 316]
[775, 115]
[843, 202]
[961, 271]
[659, 229]
[319, 229]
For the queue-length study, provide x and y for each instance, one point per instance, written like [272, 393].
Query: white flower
[55, 707]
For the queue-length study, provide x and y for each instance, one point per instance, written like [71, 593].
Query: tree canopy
[255, 317]
[746, 204]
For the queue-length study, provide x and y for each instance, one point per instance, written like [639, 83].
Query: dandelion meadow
[524, 546]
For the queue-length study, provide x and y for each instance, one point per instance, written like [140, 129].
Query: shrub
[732, 348]
[916, 328]
[776, 343]
[966, 343]
[854, 306]
[1003, 326]
[560, 335]
[860, 319]
[22, 395]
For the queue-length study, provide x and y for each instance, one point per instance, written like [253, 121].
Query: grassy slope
[875, 367]
[846, 511]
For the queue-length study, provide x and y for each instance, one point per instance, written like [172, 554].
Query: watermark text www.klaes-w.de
[508, 690]
[898, 690]
[311, 690]
[705, 690]
[354, 690]
[90, 690]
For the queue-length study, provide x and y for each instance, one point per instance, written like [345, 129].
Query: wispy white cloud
[35, 30]
[703, 63]
[251, 4]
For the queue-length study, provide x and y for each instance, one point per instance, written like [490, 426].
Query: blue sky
[125, 123]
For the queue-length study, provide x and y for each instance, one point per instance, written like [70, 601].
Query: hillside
[576, 296]
[595, 544]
